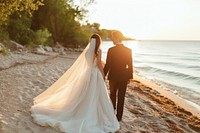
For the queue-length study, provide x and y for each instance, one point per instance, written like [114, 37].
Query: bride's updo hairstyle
[98, 42]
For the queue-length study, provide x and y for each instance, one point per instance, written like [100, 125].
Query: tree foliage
[42, 37]
[19, 29]
[8, 7]
[58, 20]
[61, 19]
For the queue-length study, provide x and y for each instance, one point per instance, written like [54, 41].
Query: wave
[190, 65]
[182, 58]
[168, 54]
[169, 73]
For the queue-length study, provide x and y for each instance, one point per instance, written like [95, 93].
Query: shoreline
[187, 105]
[178, 100]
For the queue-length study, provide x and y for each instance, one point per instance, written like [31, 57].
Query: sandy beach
[147, 108]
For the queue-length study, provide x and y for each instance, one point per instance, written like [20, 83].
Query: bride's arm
[100, 64]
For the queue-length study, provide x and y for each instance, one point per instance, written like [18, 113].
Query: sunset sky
[149, 19]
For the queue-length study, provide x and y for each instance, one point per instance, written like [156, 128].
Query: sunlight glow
[149, 19]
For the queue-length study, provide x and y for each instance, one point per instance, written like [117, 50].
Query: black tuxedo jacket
[119, 63]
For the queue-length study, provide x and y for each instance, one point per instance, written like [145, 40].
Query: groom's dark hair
[98, 42]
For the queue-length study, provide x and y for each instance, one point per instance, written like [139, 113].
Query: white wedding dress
[78, 102]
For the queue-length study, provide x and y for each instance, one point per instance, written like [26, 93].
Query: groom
[120, 71]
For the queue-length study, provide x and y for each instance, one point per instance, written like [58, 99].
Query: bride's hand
[104, 78]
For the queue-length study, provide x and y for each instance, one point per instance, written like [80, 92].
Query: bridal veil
[81, 67]
[78, 101]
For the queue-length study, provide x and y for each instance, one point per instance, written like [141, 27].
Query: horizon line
[164, 40]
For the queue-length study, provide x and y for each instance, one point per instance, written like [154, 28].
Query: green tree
[22, 22]
[95, 27]
[8, 7]
[42, 37]
[62, 19]
[105, 34]
[4, 35]
[19, 29]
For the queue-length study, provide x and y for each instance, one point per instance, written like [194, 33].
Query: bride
[78, 101]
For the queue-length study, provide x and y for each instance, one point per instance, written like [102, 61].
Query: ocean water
[172, 64]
